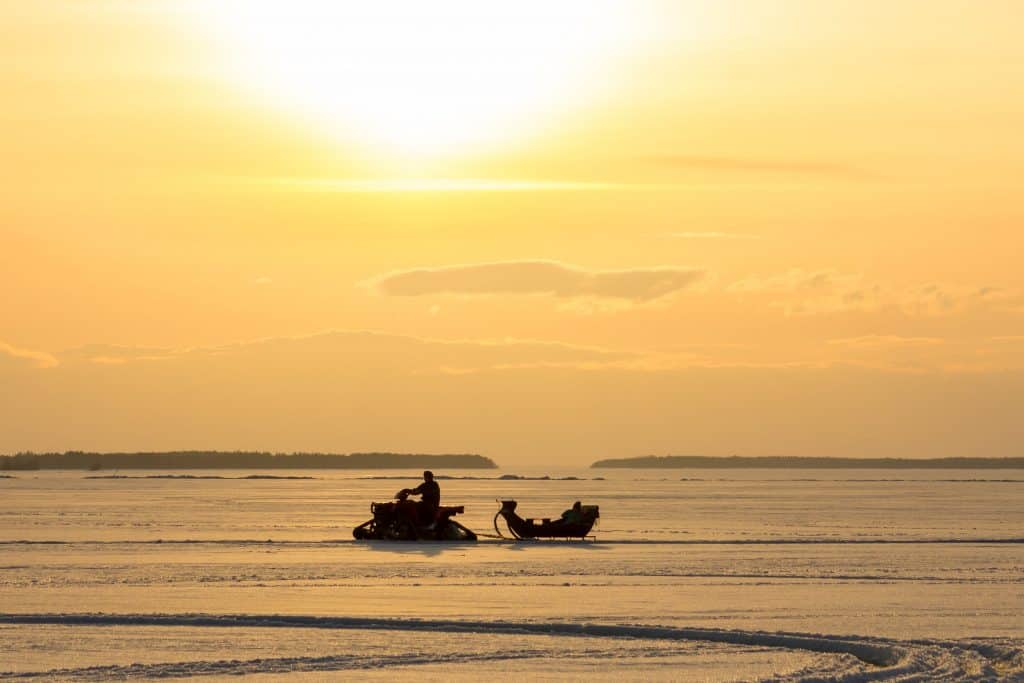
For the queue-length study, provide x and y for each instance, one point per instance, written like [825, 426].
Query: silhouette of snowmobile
[402, 520]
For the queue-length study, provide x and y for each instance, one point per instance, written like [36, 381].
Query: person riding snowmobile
[430, 498]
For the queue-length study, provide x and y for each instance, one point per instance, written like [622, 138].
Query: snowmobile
[574, 523]
[400, 520]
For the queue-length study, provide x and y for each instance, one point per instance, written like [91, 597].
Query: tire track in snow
[881, 659]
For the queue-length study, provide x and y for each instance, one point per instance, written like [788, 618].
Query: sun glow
[417, 79]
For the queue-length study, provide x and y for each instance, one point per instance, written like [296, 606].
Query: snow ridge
[857, 658]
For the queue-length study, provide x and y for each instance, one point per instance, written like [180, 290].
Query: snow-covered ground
[695, 575]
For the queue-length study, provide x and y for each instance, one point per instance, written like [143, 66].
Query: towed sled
[574, 523]
[401, 520]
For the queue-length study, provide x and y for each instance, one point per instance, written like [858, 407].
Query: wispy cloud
[884, 341]
[796, 280]
[760, 166]
[414, 185]
[26, 357]
[113, 354]
[943, 299]
[805, 292]
[539, 277]
[363, 349]
[712, 235]
[469, 185]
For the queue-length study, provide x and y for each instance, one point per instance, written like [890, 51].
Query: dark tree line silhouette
[736, 461]
[175, 460]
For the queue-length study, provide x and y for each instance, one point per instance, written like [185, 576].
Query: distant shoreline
[239, 460]
[785, 462]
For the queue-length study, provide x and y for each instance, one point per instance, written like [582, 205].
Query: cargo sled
[574, 523]
[402, 520]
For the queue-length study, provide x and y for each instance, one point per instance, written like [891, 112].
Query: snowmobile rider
[430, 499]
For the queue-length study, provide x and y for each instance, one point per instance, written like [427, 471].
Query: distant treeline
[192, 460]
[737, 462]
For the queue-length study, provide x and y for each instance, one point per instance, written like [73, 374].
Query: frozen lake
[695, 574]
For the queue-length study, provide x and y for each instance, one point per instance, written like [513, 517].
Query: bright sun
[414, 78]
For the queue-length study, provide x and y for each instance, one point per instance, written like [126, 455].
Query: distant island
[195, 460]
[785, 462]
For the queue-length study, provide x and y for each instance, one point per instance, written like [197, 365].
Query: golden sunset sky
[548, 232]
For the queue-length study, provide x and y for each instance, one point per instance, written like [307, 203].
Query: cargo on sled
[407, 520]
[575, 522]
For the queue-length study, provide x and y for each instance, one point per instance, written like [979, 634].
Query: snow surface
[695, 575]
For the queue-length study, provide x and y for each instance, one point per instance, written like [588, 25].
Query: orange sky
[547, 234]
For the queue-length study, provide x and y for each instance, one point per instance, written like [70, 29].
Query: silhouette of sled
[399, 520]
[578, 526]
